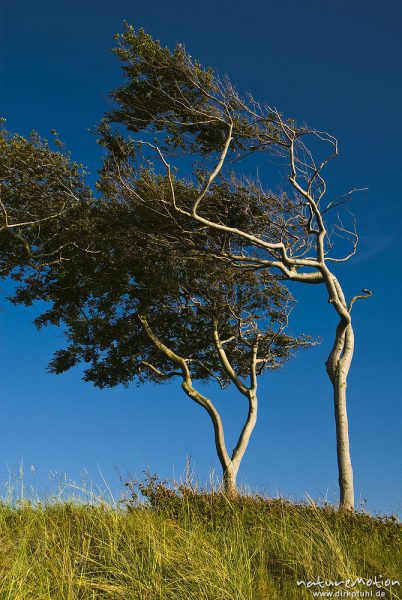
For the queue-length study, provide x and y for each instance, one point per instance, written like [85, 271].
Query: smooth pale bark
[338, 365]
[230, 475]
[230, 464]
[339, 361]
[338, 373]
[308, 182]
[220, 444]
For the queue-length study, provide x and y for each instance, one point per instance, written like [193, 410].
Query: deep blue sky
[336, 65]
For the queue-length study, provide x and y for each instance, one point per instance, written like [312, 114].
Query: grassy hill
[186, 544]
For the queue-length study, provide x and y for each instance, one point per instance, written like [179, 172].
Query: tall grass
[188, 544]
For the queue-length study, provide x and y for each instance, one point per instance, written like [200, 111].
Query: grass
[183, 543]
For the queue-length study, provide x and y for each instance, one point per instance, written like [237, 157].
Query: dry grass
[188, 544]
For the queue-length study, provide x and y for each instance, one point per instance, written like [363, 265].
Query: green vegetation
[188, 544]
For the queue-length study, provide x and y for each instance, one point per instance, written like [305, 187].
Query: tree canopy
[133, 268]
[180, 260]
[42, 196]
[135, 307]
[180, 122]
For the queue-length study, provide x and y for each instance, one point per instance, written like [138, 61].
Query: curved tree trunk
[245, 435]
[220, 445]
[230, 475]
[230, 466]
[338, 365]
[338, 376]
[345, 471]
[229, 480]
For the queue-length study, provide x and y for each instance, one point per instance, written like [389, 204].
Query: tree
[41, 194]
[170, 106]
[135, 311]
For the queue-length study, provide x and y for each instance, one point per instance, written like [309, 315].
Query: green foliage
[126, 252]
[97, 296]
[170, 125]
[98, 262]
[172, 96]
[42, 194]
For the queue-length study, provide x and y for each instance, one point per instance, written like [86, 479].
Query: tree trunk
[230, 473]
[229, 480]
[338, 365]
[230, 466]
[345, 471]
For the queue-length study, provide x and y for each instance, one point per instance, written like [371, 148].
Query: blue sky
[335, 65]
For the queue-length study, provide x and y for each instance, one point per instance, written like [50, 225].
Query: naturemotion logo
[356, 587]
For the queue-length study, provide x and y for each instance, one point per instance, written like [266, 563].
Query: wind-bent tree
[133, 311]
[42, 194]
[172, 108]
[135, 307]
